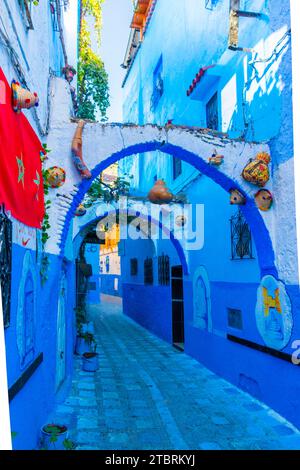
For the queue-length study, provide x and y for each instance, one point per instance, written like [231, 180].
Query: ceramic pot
[51, 431]
[90, 362]
[257, 171]
[237, 198]
[55, 176]
[22, 98]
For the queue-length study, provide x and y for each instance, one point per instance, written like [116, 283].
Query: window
[235, 319]
[5, 265]
[133, 267]
[177, 167]
[164, 270]
[158, 84]
[148, 271]
[212, 114]
[241, 240]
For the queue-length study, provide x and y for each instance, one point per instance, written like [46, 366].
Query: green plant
[80, 318]
[90, 340]
[106, 192]
[93, 92]
[44, 268]
[46, 224]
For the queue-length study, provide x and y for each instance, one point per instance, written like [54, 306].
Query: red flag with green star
[21, 182]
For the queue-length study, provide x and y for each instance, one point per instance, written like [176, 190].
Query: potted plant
[54, 436]
[69, 72]
[90, 361]
[84, 343]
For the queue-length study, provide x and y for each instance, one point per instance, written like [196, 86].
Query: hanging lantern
[216, 159]
[257, 171]
[237, 198]
[160, 194]
[22, 98]
[55, 176]
[77, 156]
[264, 199]
[80, 211]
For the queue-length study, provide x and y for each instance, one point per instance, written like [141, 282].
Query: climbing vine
[93, 91]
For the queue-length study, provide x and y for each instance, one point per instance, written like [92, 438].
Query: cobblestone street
[147, 395]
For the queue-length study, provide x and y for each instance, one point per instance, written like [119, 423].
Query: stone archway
[176, 244]
[105, 144]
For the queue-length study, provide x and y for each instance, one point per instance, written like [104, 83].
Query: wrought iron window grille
[148, 271]
[164, 270]
[241, 239]
[5, 264]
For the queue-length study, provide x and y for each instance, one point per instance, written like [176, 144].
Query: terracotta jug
[160, 194]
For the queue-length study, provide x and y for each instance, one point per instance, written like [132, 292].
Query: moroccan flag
[21, 181]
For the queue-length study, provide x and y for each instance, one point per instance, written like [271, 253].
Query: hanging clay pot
[257, 171]
[160, 194]
[237, 198]
[77, 152]
[264, 199]
[216, 159]
[55, 176]
[180, 220]
[22, 98]
[80, 211]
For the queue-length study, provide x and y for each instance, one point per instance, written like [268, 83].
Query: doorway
[177, 307]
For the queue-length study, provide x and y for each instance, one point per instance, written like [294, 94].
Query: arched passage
[152, 220]
[226, 179]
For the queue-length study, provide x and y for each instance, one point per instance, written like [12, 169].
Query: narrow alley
[147, 395]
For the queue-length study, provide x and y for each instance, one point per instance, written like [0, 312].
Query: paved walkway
[147, 395]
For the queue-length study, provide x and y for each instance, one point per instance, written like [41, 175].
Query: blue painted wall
[249, 93]
[31, 406]
[107, 282]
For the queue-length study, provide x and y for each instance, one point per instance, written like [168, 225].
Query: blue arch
[156, 222]
[264, 248]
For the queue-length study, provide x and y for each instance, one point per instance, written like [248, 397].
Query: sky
[117, 16]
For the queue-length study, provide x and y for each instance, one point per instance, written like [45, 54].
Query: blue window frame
[158, 84]
[212, 113]
[177, 167]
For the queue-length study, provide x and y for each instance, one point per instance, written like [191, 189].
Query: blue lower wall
[32, 404]
[108, 285]
[272, 380]
[150, 306]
